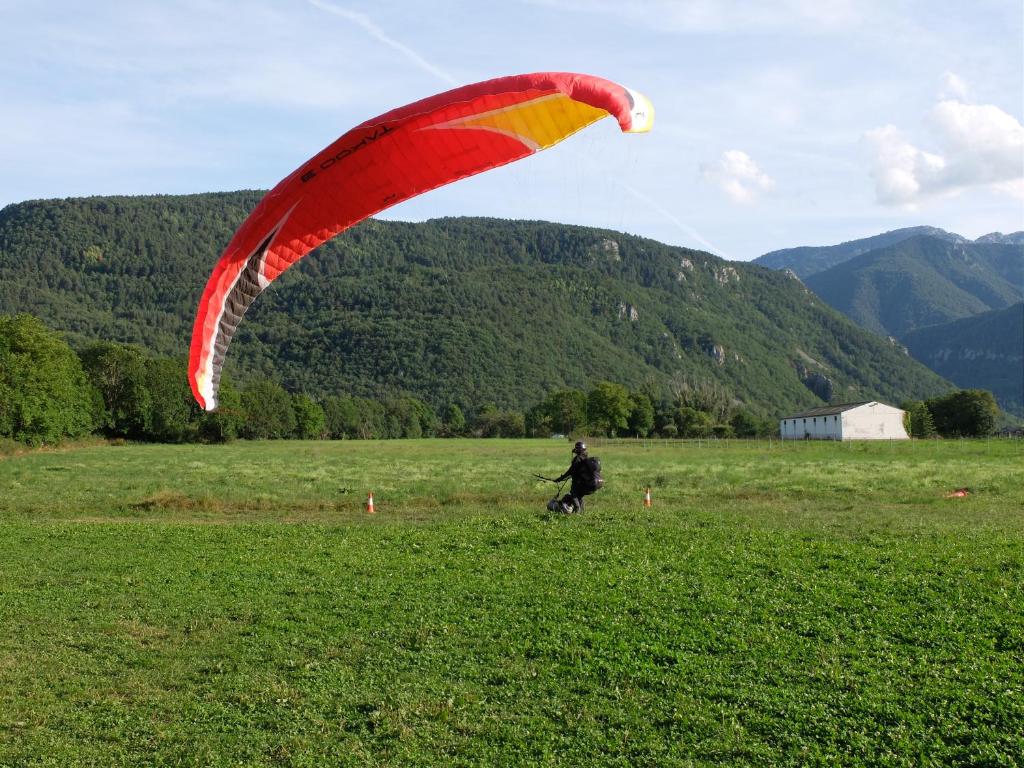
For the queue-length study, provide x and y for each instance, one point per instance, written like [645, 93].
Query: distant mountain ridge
[985, 351]
[808, 260]
[1014, 238]
[921, 281]
[464, 311]
[953, 301]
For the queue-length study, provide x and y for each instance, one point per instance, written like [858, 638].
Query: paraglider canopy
[382, 162]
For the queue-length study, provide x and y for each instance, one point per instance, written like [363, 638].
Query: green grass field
[806, 604]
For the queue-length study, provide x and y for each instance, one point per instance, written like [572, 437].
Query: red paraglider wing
[384, 161]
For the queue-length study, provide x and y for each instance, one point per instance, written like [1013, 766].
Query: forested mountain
[922, 281]
[464, 311]
[926, 278]
[985, 351]
[805, 261]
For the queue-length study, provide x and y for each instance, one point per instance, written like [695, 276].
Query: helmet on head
[580, 447]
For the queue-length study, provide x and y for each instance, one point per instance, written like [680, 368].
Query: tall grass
[795, 604]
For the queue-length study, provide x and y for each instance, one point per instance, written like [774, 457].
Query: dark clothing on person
[581, 477]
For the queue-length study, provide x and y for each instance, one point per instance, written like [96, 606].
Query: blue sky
[799, 122]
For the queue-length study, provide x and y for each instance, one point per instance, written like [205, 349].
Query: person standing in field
[585, 472]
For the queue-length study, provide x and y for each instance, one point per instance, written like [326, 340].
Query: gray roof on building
[828, 410]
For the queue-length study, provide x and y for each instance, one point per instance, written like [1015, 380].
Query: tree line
[49, 392]
[963, 413]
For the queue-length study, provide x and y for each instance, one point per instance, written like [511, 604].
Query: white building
[845, 421]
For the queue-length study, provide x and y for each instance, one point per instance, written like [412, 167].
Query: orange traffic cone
[369, 504]
[647, 497]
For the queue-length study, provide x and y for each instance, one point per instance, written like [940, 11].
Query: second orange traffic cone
[647, 497]
[369, 504]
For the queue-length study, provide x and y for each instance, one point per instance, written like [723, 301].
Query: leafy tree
[369, 419]
[665, 419]
[491, 422]
[392, 424]
[173, 412]
[694, 423]
[537, 422]
[269, 413]
[355, 418]
[341, 417]
[310, 419]
[223, 424]
[707, 396]
[747, 424]
[608, 407]
[566, 410]
[454, 420]
[513, 424]
[406, 417]
[964, 413]
[921, 423]
[641, 415]
[118, 372]
[430, 424]
[44, 392]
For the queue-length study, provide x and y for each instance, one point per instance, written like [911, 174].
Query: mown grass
[799, 604]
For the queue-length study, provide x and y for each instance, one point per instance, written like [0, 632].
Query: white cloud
[736, 174]
[985, 143]
[953, 86]
[981, 146]
[1013, 188]
[900, 169]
